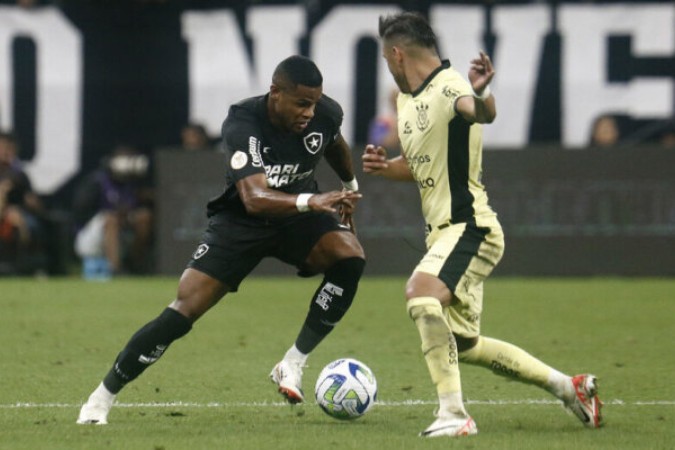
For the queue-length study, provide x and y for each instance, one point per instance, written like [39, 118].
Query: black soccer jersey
[288, 160]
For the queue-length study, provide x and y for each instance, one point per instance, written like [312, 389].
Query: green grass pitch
[210, 391]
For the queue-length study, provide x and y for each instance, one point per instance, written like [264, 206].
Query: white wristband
[302, 202]
[484, 96]
[351, 185]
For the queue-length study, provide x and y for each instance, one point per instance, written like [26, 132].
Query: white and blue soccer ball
[346, 389]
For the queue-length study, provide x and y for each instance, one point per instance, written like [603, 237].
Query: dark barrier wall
[593, 212]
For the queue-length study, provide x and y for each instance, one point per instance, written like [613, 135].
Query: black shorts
[233, 246]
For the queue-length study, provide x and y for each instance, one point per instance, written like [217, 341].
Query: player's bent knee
[464, 343]
[197, 293]
[349, 268]
[469, 349]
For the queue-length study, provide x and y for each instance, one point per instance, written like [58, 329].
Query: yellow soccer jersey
[443, 150]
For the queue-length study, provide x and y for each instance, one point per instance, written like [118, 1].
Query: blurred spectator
[20, 212]
[383, 129]
[605, 132]
[113, 211]
[193, 137]
[26, 3]
[667, 137]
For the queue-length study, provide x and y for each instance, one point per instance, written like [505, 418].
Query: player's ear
[398, 53]
[275, 92]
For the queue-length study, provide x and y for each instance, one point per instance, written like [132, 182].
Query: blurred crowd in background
[108, 227]
[107, 231]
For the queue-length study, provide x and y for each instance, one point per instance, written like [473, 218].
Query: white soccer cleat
[288, 377]
[586, 404]
[95, 411]
[454, 426]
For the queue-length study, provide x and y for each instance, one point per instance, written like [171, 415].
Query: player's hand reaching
[346, 212]
[374, 160]
[331, 201]
[481, 73]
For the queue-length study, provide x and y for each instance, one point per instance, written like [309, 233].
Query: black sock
[145, 347]
[330, 302]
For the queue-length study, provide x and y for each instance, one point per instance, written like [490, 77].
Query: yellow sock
[508, 360]
[437, 343]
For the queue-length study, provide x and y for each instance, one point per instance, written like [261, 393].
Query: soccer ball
[346, 389]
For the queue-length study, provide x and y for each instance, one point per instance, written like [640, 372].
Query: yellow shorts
[462, 256]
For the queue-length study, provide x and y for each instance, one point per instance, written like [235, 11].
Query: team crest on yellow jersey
[422, 116]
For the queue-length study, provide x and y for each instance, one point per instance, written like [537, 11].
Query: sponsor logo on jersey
[426, 183]
[414, 161]
[201, 250]
[238, 160]
[313, 142]
[407, 129]
[451, 93]
[254, 151]
[283, 174]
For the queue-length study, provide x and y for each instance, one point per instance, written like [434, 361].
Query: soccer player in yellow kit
[439, 122]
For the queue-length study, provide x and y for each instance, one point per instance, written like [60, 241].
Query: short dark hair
[412, 27]
[296, 70]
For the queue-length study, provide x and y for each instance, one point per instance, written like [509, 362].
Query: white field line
[615, 402]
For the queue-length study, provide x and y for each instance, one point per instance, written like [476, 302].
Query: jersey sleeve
[334, 112]
[455, 87]
[241, 143]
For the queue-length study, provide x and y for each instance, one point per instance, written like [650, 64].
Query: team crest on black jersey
[201, 251]
[313, 142]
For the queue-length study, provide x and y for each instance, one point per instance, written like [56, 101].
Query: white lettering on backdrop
[520, 35]
[59, 91]
[221, 71]
[585, 89]
[519, 32]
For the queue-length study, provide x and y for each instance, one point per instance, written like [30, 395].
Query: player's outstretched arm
[375, 162]
[260, 200]
[339, 157]
[481, 107]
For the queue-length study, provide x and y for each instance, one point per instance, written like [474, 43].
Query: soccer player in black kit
[271, 207]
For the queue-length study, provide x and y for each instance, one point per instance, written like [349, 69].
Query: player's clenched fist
[374, 159]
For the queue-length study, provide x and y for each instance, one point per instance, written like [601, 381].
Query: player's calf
[145, 347]
[333, 297]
